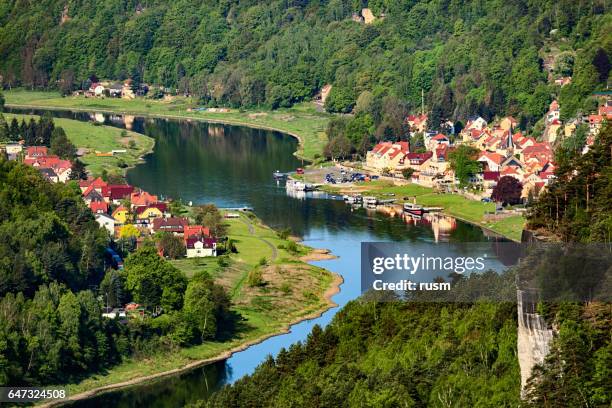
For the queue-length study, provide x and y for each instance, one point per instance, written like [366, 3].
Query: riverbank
[455, 205]
[302, 121]
[96, 138]
[304, 293]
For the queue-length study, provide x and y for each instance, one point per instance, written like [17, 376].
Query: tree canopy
[278, 53]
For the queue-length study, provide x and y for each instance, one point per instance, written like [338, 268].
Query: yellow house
[121, 214]
[148, 212]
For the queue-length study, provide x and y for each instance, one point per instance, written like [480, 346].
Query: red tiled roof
[142, 198]
[172, 224]
[160, 206]
[195, 230]
[439, 136]
[117, 191]
[96, 183]
[98, 206]
[420, 157]
[494, 157]
[208, 242]
[34, 151]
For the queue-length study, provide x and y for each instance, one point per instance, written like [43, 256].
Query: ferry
[414, 209]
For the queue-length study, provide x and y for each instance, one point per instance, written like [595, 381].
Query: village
[123, 210]
[502, 151]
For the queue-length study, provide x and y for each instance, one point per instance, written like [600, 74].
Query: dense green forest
[479, 57]
[392, 354]
[53, 286]
[577, 206]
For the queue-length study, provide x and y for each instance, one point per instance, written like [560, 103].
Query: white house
[98, 90]
[13, 148]
[106, 221]
[200, 247]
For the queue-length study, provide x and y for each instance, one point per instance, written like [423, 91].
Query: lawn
[302, 121]
[98, 138]
[292, 291]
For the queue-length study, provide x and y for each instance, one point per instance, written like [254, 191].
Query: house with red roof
[142, 198]
[59, 167]
[595, 122]
[199, 247]
[175, 225]
[417, 123]
[148, 212]
[491, 161]
[416, 160]
[434, 142]
[99, 207]
[114, 193]
[91, 194]
[33, 152]
[191, 231]
[388, 155]
[96, 184]
[476, 122]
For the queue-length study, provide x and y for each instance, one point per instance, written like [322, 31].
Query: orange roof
[142, 198]
[494, 157]
[595, 118]
[195, 230]
[96, 183]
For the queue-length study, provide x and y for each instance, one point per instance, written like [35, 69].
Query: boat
[414, 209]
[356, 199]
[299, 186]
[370, 200]
[278, 175]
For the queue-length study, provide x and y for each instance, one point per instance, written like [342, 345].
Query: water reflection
[232, 167]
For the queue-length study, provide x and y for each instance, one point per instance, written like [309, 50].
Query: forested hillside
[479, 57]
[577, 207]
[53, 285]
[392, 354]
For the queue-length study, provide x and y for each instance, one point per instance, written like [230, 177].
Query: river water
[232, 167]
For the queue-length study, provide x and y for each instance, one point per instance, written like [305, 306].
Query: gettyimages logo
[468, 272]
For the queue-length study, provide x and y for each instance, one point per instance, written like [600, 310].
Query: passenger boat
[414, 209]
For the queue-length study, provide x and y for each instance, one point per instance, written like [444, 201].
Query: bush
[255, 277]
[292, 248]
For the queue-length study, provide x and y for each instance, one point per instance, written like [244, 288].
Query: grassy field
[97, 138]
[453, 204]
[292, 290]
[302, 121]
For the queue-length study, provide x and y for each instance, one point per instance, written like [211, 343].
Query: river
[232, 167]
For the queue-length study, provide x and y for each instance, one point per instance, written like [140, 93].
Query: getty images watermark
[466, 272]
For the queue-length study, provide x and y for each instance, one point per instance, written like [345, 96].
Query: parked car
[300, 170]
[486, 200]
